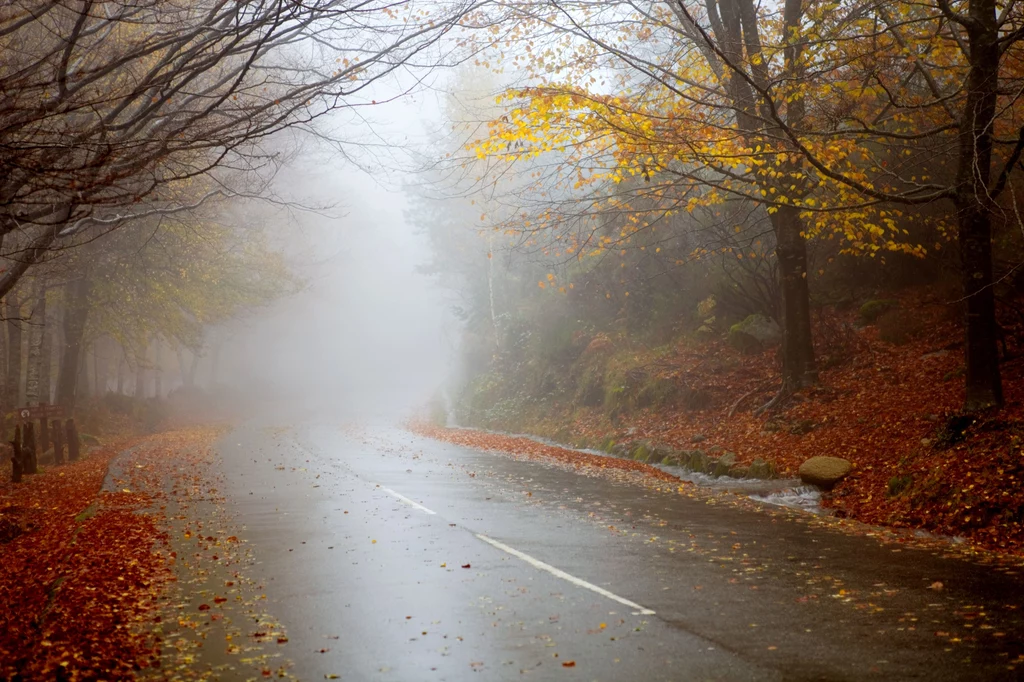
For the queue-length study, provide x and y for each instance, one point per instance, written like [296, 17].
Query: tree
[113, 110]
[836, 118]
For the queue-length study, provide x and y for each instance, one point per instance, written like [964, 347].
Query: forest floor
[892, 409]
[122, 565]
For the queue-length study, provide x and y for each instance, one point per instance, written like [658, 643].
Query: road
[388, 556]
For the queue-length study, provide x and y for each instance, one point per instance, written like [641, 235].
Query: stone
[671, 460]
[698, 438]
[724, 463]
[698, 461]
[738, 472]
[754, 334]
[759, 469]
[638, 447]
[802, 427]
[715, 449]
[872, 310]
[660, 452]
[824, 471]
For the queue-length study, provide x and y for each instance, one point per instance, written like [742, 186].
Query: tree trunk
[16, 457]
[75, 315]
[120, 372]
[215, 366]
[13, 309]
[197, 355]
[46, 366]
[84, 389]
[984, 387]
[798, 367]
[28, 449]
[158, 371]
[99, 366]
[6, 403]
[73, 442]
[36, 334]
[140, 372]
[57, 433]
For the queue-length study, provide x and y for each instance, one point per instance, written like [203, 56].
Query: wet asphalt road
[392, 557]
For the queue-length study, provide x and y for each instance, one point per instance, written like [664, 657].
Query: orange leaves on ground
[82, 567]
[531, 449]
[881, 406]
[78, 575]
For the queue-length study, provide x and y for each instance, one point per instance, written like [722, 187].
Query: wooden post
[28, 449]
[73, 443]
[58, 442]
[17, 470]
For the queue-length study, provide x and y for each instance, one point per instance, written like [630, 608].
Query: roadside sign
[35, 412]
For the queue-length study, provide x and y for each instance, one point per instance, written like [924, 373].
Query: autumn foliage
[892, 409]
[79, 575]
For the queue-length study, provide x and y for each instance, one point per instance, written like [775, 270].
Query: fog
[368, 334]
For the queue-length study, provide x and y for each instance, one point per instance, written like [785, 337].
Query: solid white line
[409, 502]
[537, 563]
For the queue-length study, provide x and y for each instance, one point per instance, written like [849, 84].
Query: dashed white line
[405, 499]
[537, 563]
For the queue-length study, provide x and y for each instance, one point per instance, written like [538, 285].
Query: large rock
[754, 334]
[724, 463]
[698, 461]
[761, 469]
[872, 310]
[824, 472]
[641, 452]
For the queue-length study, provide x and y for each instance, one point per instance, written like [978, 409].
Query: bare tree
[115, 109]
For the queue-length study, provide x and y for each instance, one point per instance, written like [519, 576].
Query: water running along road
[392, 557]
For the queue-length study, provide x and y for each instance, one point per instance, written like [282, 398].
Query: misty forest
[476, 339]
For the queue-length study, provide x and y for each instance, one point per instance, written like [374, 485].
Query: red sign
[35, 412]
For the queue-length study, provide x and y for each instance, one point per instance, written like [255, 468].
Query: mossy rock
[723, 464]
[761, 469]
[738, 472]
[89, 440]
[641, 452]
[744, 343]
[754, 334]
[872, 310]
[698, 461]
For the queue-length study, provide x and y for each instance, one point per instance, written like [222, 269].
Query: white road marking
[409, 502]
[537, 563]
